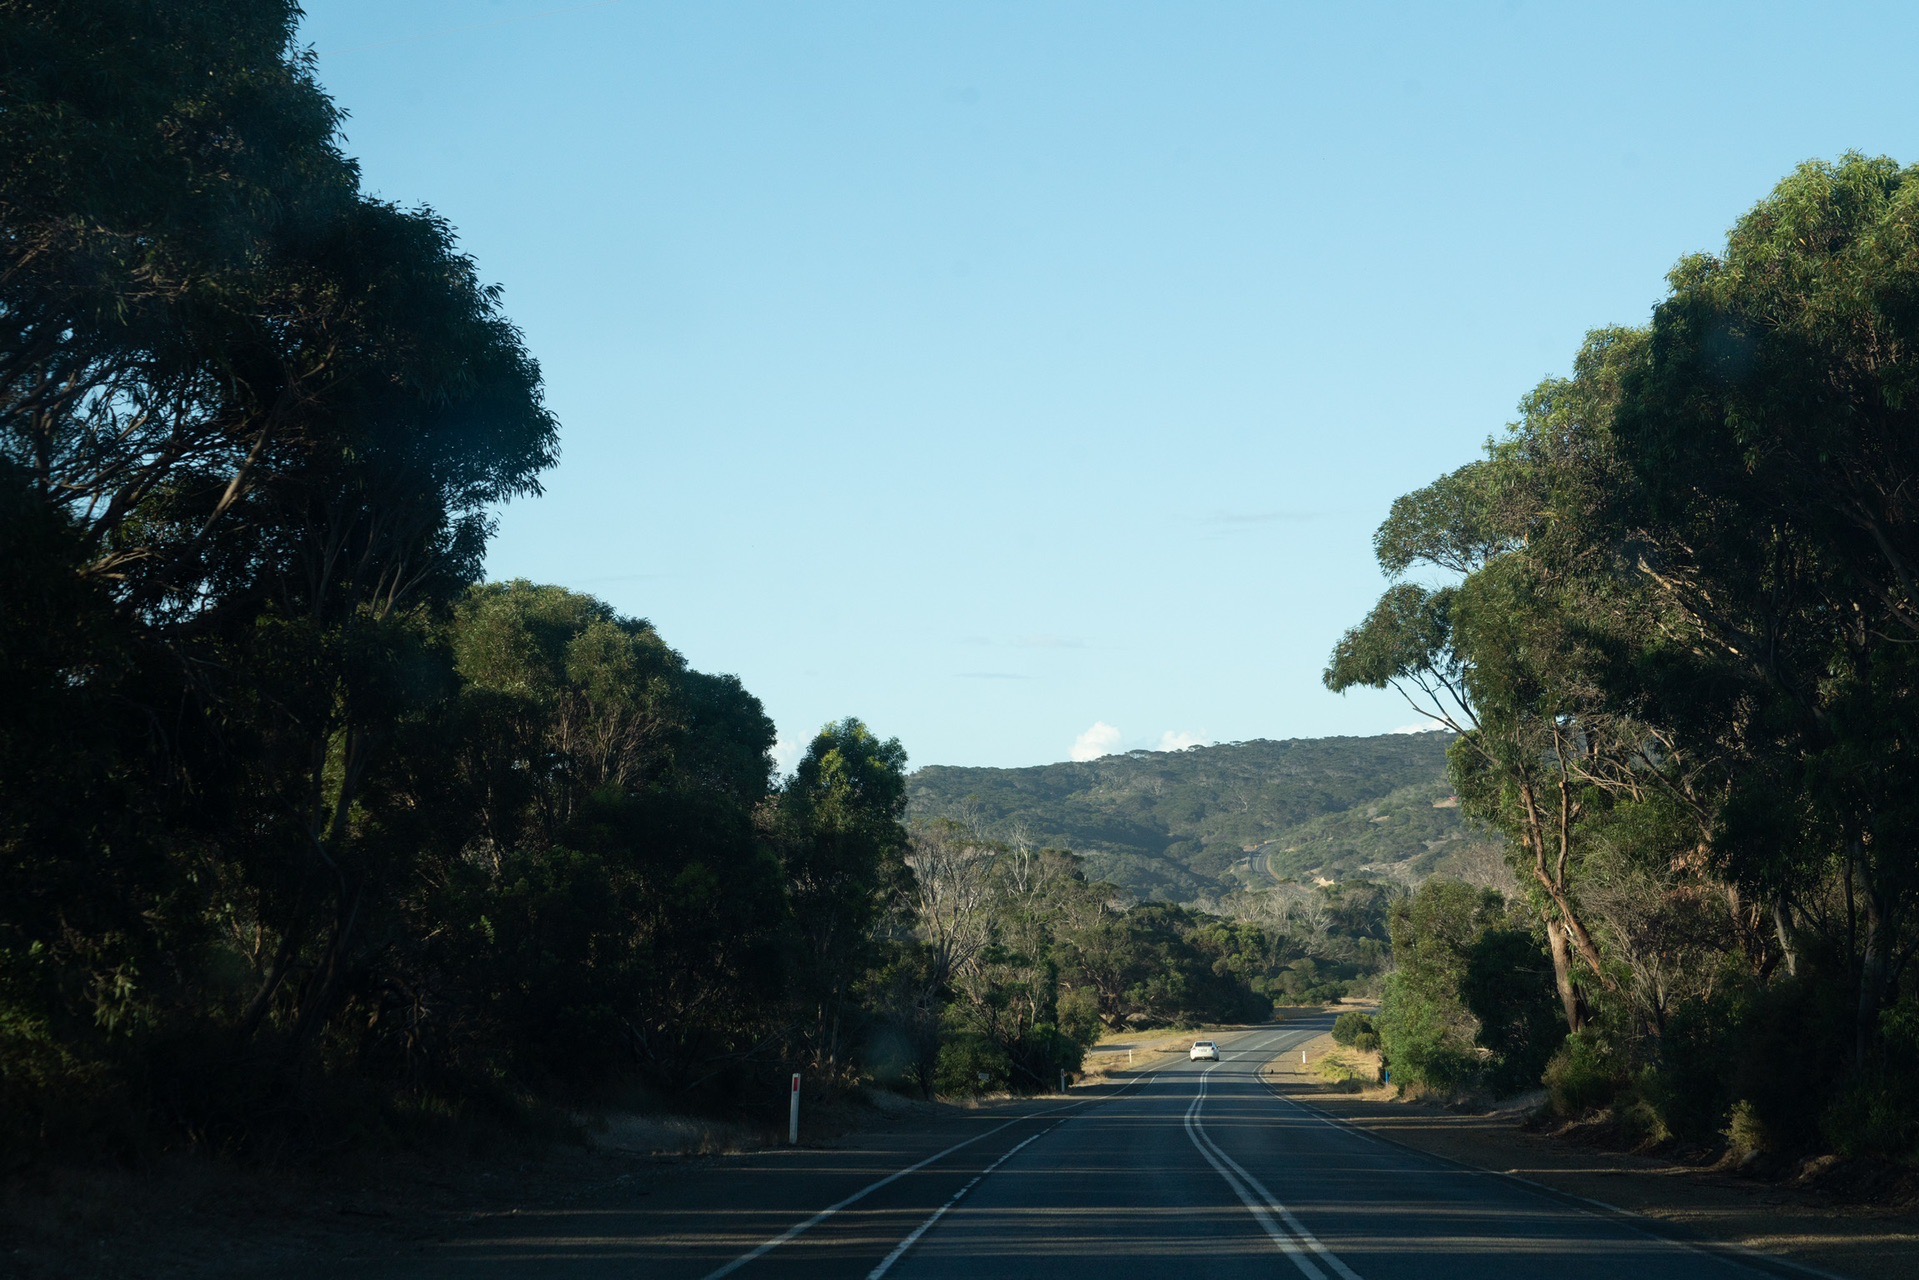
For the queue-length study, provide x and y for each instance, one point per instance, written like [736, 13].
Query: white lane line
[801, 1228]
[1292, 1235]
[900, 1248]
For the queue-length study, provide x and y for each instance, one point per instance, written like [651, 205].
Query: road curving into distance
[1200, 1166]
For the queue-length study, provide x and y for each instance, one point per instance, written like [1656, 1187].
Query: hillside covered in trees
[1199, 824]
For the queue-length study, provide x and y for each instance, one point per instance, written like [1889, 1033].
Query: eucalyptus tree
[1516, 639]
[844, 847]
[158, 165]
[268, 417]
[1487, 655]
[1773, 446]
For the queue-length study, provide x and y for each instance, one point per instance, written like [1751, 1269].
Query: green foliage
[971, 1064]
[1422, 1040]
[1469, 1003]
[1508, 986]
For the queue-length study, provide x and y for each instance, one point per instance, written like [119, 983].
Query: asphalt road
[1200, 1167]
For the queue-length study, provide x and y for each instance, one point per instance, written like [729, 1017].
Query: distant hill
[1199, 823]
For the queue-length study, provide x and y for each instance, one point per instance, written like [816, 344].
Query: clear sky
[1017, 376]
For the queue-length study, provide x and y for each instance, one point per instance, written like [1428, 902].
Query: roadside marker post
[793, 1114]
[1062, 1082]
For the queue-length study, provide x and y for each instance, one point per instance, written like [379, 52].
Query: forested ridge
[309, 838]
[1671, 616]
[1202, 823]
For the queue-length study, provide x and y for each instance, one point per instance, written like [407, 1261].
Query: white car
[1204, 1049]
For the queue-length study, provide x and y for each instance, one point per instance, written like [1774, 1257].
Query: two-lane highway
[1200, 1165]
[1206, 1166]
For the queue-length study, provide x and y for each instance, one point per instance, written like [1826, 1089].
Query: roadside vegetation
[1671, 616]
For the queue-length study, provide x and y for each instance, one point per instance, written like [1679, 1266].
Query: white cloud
[1049, 642]
[1427, 727]
[1100, 740]
[1180, 739]
[786, 754]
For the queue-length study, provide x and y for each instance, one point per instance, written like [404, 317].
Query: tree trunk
[1782, 926]
[1872, 978]
[1571, 998]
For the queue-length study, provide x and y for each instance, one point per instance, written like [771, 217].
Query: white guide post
[793, 1114]
[1302, 1062]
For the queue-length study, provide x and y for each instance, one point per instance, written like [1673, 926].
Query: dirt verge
[1800, 1225]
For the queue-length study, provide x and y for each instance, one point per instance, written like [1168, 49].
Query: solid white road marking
[940, 1212]
[1289, 1237]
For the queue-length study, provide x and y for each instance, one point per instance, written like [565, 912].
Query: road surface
[1199, 1169]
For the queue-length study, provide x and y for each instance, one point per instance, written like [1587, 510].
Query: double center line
[1294, 1240]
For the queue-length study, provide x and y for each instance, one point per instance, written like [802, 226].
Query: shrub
[1349, 1026]
[1079, 1015]
[971, 1064]
[1426, 1050]
[1687, 1085]
[1746, 1132]
[1791, 1042]
[1878, 1114]
[1583, 1076]
[1874, 1117]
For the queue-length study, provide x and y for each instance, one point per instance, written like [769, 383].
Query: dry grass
[672, 1135]
[1329, 1068]
[1346, 1069]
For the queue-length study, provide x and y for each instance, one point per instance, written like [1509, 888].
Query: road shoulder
[418, 1214]
[1778, 1221]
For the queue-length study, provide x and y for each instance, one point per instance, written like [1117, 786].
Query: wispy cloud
[1048, 642]
[1222, 524]
[1101, 739]
[1027, 642]
[787, 753]
[1427, 727]
[1180, 739]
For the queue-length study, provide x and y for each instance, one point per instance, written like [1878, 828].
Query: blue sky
[1018, 376]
